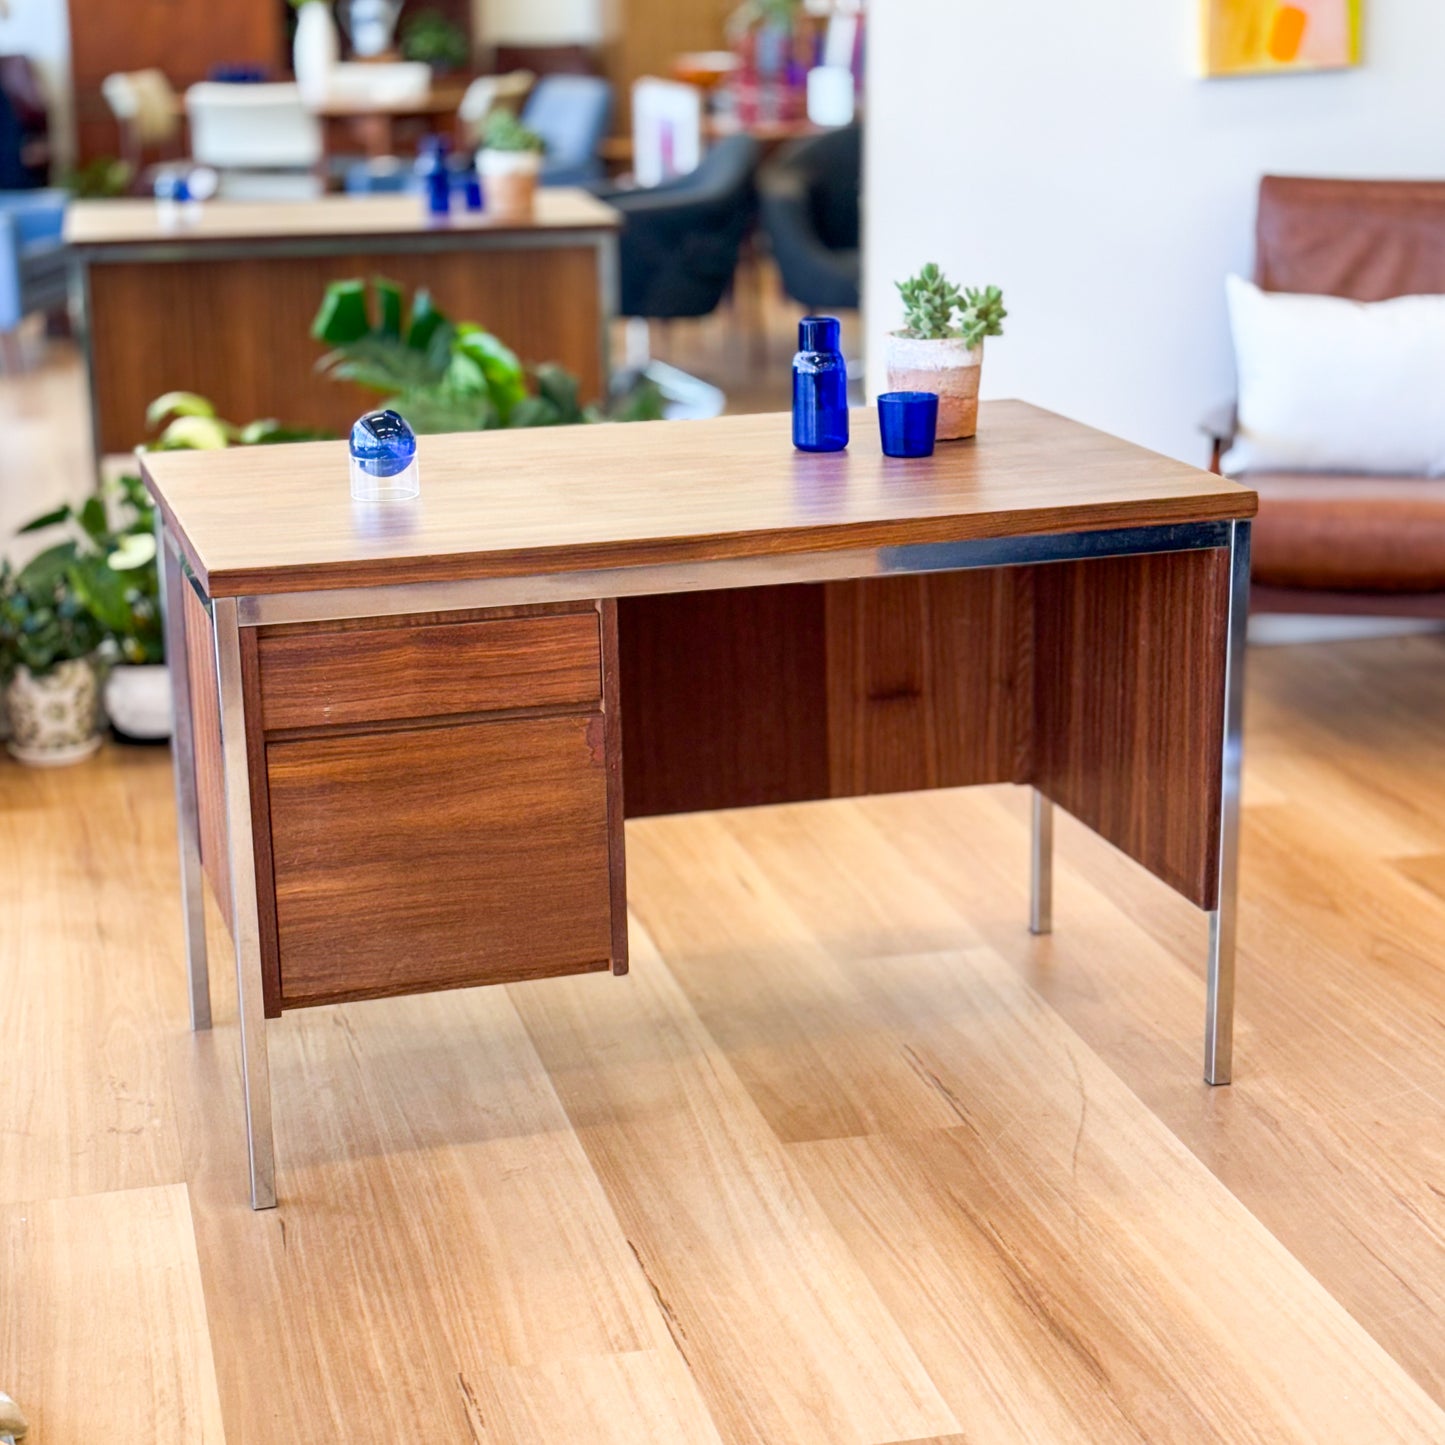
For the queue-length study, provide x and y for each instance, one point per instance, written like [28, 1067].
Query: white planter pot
[138, 701]
[53, 718]
[509, 181]
[316, 51]
[947, 367]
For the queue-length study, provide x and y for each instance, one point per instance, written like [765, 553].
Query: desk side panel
[1129, 705]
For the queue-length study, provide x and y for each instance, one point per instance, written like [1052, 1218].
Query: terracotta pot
[509, 182]
[53, 718]
[947, 367]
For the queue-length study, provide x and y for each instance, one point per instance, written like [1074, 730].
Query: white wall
[539, 22]
[41, 30]
[1068, 153]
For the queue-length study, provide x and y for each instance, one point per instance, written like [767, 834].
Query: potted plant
[111, 571]
[430, 36]
[508, 163]
[48, 638]
[940, 348]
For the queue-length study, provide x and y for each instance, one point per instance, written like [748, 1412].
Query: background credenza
[407, 741]
[222, 305]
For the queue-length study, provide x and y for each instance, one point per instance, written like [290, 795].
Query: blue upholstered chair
[33, 271]
[570, 113]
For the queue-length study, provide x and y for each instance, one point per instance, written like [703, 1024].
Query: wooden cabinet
[443, 796]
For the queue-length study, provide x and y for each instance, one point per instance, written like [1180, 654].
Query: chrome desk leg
[1219, 1004]
[1041, 897]
[183, 757]
[255, 1071]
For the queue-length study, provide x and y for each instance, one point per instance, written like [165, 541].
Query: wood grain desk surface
[512, 504]
[91, 226]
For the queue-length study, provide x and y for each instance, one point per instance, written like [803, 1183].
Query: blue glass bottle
[436, 175]
[820, 387]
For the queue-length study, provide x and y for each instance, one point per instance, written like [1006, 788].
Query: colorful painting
[1257, 37]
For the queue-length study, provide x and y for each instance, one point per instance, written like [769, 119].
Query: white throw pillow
[1328, 385]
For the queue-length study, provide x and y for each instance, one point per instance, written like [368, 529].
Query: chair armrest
[1219, 424]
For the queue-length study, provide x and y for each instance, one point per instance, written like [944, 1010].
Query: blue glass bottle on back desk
[820, 387]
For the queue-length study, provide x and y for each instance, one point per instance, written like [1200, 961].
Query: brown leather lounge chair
[1333, 542]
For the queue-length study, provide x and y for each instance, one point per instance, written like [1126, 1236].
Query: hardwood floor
[848, 1158]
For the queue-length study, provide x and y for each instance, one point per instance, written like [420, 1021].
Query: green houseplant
[108, 567]
[508, 163]
[430, 36]
[446, 376]
[940, 347]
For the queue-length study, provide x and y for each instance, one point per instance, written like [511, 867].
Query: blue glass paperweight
[383, 459]
[820, 387]
[908, 421]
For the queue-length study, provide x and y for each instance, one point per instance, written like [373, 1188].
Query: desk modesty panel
[222, 304]
[401, 752]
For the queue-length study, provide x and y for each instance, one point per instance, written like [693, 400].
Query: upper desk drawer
[408, 668]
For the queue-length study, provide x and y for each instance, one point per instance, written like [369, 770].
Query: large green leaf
[343, 317]
[102, 592]
[44, 571]
[93, 520]
[425, 321]
[177, 403]
[47, 519]
[388, 295]
[195, 433]
[503, 371]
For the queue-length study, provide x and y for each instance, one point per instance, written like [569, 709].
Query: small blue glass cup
[908, 421]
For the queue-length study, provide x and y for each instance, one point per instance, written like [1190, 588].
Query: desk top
[92, 226]
[261, 520]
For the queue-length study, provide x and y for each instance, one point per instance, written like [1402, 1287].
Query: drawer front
[440, 857]
[347, 678]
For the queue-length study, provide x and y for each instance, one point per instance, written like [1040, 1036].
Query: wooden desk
[399, 749]
[223, 305]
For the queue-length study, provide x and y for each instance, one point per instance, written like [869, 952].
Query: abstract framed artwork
[1263, 37]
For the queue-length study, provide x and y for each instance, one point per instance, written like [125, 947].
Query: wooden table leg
[183, 754]
[245, 923]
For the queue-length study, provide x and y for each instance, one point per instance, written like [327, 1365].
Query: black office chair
[677, 255]
[809, 197]
[680, 240]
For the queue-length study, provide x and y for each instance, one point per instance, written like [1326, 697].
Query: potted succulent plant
[508, 163]
[48, 639]
[940, 348]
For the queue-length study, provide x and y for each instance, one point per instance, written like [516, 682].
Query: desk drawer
[413, 668]
[441, 857]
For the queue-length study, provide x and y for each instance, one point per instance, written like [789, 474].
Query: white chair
[666, 130]
[487, 93]
[261, 139]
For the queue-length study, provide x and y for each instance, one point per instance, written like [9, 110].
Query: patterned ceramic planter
[53, 718]
[948, 368]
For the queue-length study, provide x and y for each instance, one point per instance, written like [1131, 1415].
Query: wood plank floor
[848, 1158]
